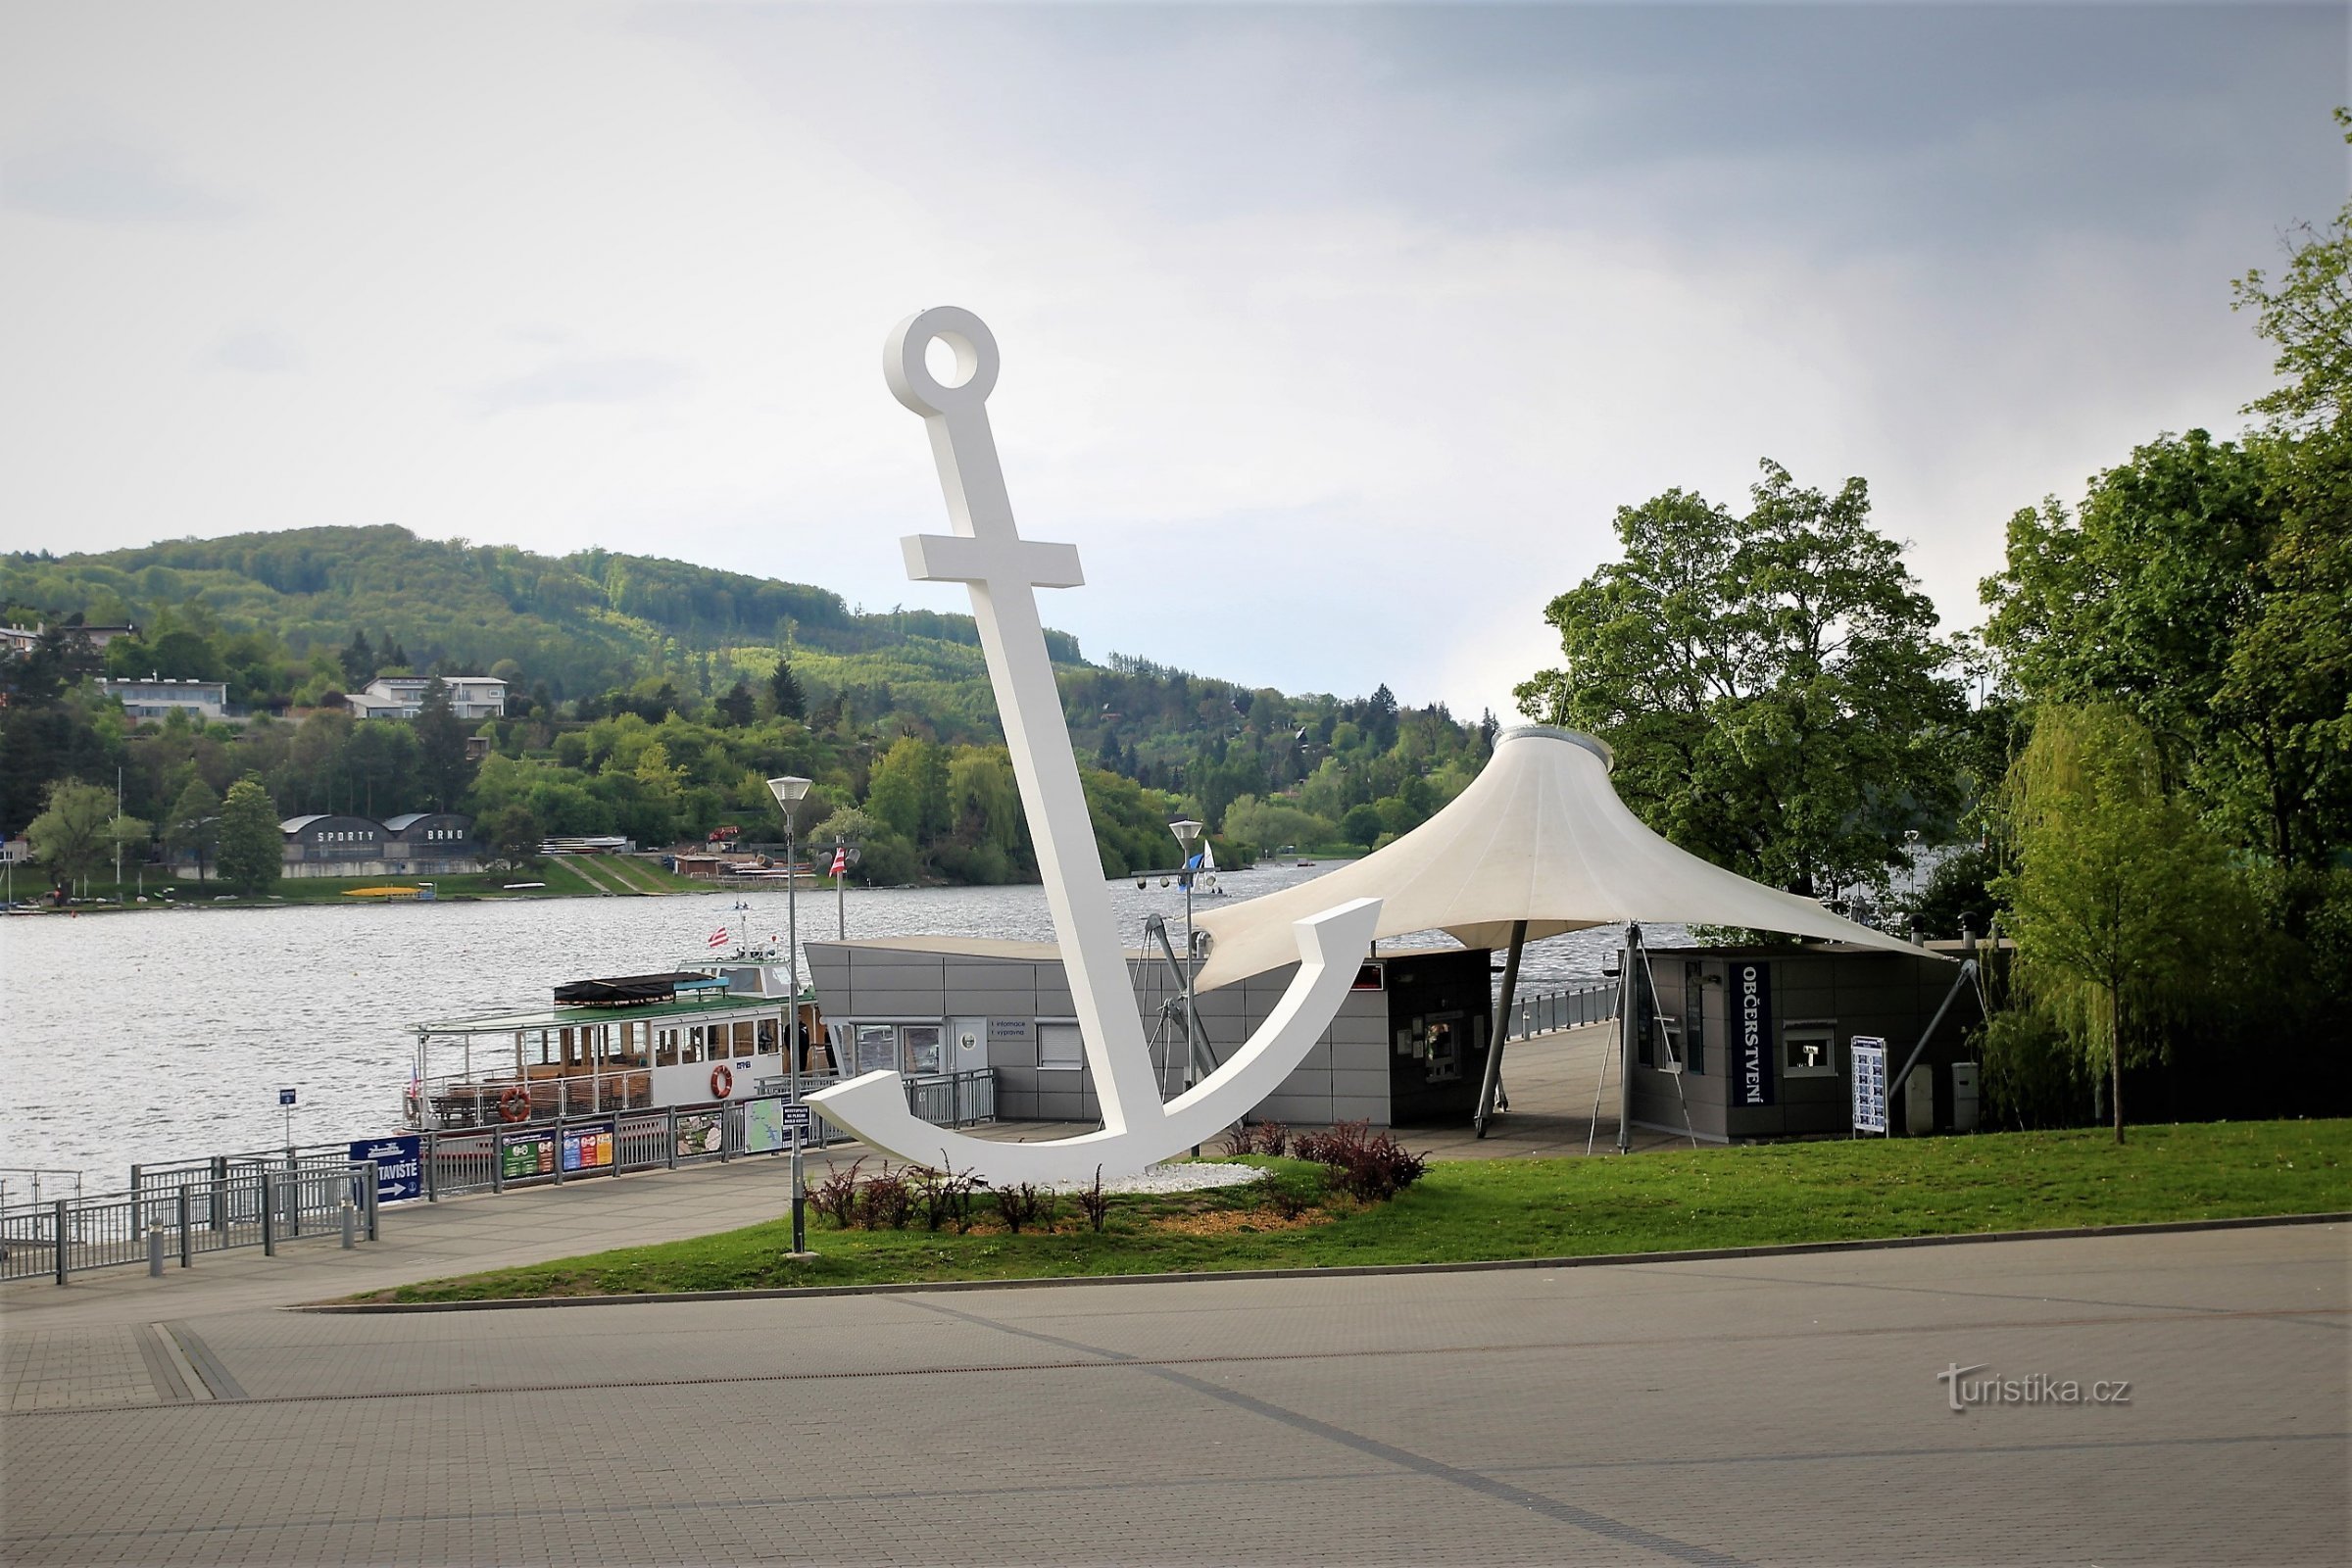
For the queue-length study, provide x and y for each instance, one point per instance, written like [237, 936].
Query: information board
[588, 1148]
[521, 1155]
[399, 1165]
[1867, 1053]
[763, 1128]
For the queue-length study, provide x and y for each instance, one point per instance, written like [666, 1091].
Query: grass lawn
[1467, 1210]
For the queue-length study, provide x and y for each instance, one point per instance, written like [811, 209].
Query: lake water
[167, 1035]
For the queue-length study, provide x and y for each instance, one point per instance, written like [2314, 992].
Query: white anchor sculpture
[1001, 568]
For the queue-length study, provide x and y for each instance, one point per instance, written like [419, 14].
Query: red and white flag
[841, 860]
[719, 937]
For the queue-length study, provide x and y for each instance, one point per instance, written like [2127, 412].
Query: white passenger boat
[705, 1033]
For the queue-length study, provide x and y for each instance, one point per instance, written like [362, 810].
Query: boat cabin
[684, 1037]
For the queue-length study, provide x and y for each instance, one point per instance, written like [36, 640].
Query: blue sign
[1751, 1033]
[792, 1113]
[399, 1165]
[285, 1097]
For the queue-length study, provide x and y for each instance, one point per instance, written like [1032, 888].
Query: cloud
[100, 182]
[615, 379]
[256, 351]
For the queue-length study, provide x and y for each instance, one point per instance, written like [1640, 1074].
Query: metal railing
[1566, 1008]
[953, 1098]
[262, 1208]
[34, 1184]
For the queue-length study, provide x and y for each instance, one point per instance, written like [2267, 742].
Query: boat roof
[716, 1004]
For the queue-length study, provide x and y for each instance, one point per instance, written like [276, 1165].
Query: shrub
[2034, 1076]
[945, 1195]
[836, 1196]
[1026, 1204]
[1363, 1164]
[885, 1201]
[1094, 1203]
[1266, 1138]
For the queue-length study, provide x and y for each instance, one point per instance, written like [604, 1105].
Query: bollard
[155, 1252]
[187, 1240]
[351, 1227]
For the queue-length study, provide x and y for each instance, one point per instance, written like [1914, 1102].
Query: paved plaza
[1759, 1410]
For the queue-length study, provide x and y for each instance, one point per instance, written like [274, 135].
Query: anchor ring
[910, 375]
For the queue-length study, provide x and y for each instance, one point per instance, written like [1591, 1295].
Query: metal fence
[1592, 1002]
[185, 1216]
[36, 1184]
[953, 1098]
[268, 1196]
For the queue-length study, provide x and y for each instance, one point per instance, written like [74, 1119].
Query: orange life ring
[515, 1105]
[723, 1081]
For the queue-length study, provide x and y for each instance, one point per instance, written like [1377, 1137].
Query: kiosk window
[1809, 1049]
[1061, 1045]
[877, 1048]
[923, 1046]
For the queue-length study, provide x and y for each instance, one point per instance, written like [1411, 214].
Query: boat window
[743, 1037]
[769, 1034]
[694, 1043]
[666, 1055]
[922, 1040]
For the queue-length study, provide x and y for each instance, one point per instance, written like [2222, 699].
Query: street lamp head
[1188, 832]
[788, 788]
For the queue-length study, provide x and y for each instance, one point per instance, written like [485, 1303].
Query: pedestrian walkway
[102, 1339]
[1782, 1410]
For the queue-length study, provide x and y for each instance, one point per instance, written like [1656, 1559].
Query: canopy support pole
[1628, 1023]
[1493, 1078]
[1968, 970]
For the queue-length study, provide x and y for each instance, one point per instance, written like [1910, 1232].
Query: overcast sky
[1333, 338]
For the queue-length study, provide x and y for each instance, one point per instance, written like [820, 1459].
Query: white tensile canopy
[1539, 836]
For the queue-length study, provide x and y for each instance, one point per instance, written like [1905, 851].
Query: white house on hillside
[158, 698]
[470, 697]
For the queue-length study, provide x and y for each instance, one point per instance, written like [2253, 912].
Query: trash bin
[1964, 1095]
[1919, 1101]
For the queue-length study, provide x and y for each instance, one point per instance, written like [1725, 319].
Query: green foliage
[733, 679]
[2121, 903]
[2182, 591]
[193, 825]
[2308, 315]
[1270, 824]
[1772, 684]
[252, 849]
[72, 836]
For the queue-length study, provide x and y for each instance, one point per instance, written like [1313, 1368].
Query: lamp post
[789, 792]
[1188, 834]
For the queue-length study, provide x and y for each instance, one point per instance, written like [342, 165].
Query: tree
[735, 705]
[443, 767]
[908, 793]
[193, 824]
[358, 659]
[2119, 898]
[2182, 590]
[515, 838]
[252, 848]
[1773, 684]
[784, 691]
[2308, 313]
[72, 836]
